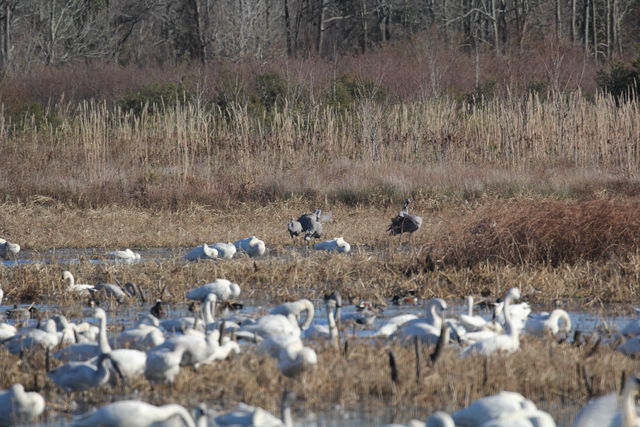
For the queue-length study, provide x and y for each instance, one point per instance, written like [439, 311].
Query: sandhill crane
[404, 222]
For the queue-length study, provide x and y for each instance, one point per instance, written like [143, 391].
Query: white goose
[72, 286]
[252, 246]
[18, 406]
[507, 343]
[337, 244]
[225, 250]
[222, 288]
[540, 324]
[296, 308]
[134, 413]
[201, 252]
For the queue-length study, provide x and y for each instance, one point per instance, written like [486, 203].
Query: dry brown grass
[91, 155]
[543, 371]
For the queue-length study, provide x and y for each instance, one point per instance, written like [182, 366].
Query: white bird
[470, 322]
[507, 343]
[491, 407]
[7, 331]
[252, 246]
[292, 360]
[337, 244]
[544, 323]
[81, 376]
[428, 329]
[225, 250]
[164, 364]
[296, 308]
[85, 351]
[201, 252]
[125, 255]
[35, 338]
[519, 313]
[18, 406]
[392, 325]
[1, 295]
[198, 348]
[8, 249]
[611, 410]
[245, 416]
[72, 286]
[270, 325]
[134, 413]
[140, 337]
[439, 419]
[222, 288]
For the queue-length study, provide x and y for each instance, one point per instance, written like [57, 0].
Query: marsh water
[586, 320]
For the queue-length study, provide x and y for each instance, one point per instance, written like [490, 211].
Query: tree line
[147, 32]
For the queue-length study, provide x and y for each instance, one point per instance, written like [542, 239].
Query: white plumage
[225, 250]
[201, 252]
[222, 288]
[337, 244]
[252, 246]
[133, 413]
[18, 406]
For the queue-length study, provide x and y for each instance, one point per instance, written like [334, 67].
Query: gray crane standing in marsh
[310, 224]
[404, 222]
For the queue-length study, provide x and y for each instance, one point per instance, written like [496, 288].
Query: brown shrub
[547, 231]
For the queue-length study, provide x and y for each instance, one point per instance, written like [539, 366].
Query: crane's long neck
[163, 413]
[103, 342]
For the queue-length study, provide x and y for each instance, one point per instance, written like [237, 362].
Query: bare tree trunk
[586, 26]
[287, 27]
[496, 34]
[199, 36]
[558, 20]
[321, 26]
[363, 26]
[608, 27]
[574, 27]
[595, 31]
[6, 41]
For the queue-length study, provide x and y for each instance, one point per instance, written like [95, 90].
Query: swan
[490, 408]
[428, 330]
[245, 415]
[142, 336]
[221, 352]
[252, 246]
[222, 288]
[8, 249]
[201, 252]
[519, 313]
[337, 244]
[270, 325]
[543, 323]
[81, 376]
[611, 410]
[72, 286]
[66, 332]
[125, 255]
[35, 338]
[392, 325]
[198, 348]
[296, 308]
[1, 295]
[7, 332]
[509, 342]
[18, 406]
[470, 322]
[85, 351]
[164, 364]
[133, 413]
[292, 361]
[440, 419]
[225, 250]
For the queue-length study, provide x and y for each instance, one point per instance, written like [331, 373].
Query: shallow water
[587, 320]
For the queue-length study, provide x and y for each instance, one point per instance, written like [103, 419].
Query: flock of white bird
[157, 349]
